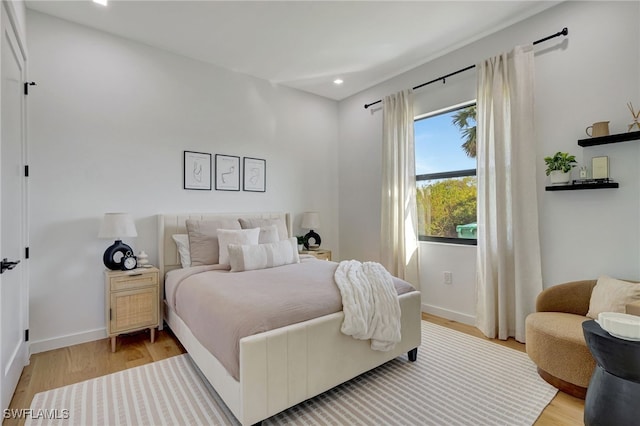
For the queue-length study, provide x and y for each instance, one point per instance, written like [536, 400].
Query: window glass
[446, 181]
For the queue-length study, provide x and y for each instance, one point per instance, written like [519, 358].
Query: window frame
[447, 175]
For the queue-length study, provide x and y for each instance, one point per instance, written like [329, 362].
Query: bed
[285, 366]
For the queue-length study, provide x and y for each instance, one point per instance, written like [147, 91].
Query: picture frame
[600, 167]
[196, 170]
[227, 173]
[255, 174]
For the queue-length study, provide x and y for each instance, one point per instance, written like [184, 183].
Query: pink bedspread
[222, 307]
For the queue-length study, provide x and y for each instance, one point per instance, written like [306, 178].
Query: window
[445, 143]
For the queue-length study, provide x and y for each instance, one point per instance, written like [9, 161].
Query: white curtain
[399, 230]
[509, 274]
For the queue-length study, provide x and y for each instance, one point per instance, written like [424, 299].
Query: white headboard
[169, 224]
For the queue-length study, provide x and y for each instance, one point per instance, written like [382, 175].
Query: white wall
[108, 123]
[588, 76]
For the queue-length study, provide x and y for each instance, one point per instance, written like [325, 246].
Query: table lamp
[311, 220]
[116, 226]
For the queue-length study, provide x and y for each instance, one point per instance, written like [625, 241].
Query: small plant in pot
[559, 167]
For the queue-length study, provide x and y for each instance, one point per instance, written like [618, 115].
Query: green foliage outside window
[444, 204]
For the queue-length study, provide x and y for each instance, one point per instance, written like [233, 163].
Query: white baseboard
[449, 314]
[68, 340]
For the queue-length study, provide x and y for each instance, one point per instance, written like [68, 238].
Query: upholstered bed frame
[283, 367]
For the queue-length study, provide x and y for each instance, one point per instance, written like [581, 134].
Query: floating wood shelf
[577, 186]
[602, 140]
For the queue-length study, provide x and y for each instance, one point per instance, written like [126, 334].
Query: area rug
[457, 380]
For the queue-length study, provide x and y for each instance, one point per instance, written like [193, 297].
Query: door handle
[5, 264]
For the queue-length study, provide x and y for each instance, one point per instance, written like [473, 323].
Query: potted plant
[559, 167]
[300, 239]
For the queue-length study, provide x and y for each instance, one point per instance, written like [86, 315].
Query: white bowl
[624, 326]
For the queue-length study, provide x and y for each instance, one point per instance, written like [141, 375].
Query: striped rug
[457, 380]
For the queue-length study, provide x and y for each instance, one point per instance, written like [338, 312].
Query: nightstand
[131, 301]
[318, 254]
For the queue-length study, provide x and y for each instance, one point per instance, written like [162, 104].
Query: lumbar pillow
[248, 258]
[240, 236]
[182, 242]
[283, 234]
[203, 239]
[611, 295]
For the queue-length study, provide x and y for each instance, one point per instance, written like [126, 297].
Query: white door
[13, 287]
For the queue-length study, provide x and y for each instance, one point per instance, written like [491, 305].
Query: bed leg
[413, 354]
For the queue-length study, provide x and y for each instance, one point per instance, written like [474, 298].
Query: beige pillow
[283, 234]
[268, 234]
[203, 239]
[612, 295]
[235, 236]
[248, 257]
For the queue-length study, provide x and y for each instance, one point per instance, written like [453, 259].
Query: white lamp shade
[115, 226]
[310, 220]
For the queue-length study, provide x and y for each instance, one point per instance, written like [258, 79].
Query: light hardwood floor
[60, 367]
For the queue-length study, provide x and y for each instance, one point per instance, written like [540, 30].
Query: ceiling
[302, 44]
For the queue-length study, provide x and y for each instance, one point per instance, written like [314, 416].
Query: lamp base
[312, 236]
[113, 255]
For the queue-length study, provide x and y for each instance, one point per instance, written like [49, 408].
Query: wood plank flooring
[60, 367]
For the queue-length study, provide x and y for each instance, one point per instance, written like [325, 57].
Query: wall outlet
[448, 277]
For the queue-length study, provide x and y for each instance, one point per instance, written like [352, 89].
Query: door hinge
[26, 335]
[26, 170]
[26, 252]
[26, 86]
[110, 314]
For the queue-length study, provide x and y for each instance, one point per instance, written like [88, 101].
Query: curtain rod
[564, 32]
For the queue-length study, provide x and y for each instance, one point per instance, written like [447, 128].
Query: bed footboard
[284, 367]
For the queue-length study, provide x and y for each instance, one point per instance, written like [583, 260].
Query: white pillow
[182, 242]
[262, 256]
[611, 295]
[233, 236]
[268, 234]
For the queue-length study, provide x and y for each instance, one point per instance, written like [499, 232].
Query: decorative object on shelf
[143, 260]
[197, 170]
[300, 239]
[600, 168]
[227, 173]
[601, 128]
[311, 221]
[255, 175]
[559, 167]
[116, 226]
[636, 117]
[583, 172]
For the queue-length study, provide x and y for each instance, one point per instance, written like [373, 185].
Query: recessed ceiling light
[101, 2]
[338, 81]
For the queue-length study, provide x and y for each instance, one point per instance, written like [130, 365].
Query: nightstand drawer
[135, 280]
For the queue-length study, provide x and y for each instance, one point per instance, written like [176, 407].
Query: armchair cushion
[611, 295]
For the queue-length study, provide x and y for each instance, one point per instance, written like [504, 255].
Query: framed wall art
[227, 173]
[255, 174]
[197, 170]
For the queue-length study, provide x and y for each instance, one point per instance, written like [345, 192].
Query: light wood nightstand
[131, 299]
[318, 254]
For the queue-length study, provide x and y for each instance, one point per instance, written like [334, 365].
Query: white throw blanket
[370, 303]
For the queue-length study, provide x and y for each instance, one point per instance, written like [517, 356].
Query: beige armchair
[554, 336]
